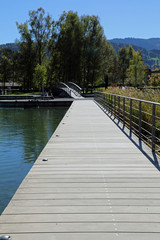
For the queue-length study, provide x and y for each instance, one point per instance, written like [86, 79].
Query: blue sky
[119, 18]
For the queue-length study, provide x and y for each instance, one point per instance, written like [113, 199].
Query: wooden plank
[84, 202]
[55, 190]
[90, 227]
[87, 236]
[104, 195]
[78, 218]
[20, 210]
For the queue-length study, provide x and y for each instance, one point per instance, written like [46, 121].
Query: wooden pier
[96, 185]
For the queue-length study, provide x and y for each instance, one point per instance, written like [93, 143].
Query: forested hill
[148, 44]
[117, 46]
[12, 46]
[151, 57]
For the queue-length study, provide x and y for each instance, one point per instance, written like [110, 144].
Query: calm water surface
[23, 135]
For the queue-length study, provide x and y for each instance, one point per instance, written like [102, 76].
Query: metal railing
[141, 117]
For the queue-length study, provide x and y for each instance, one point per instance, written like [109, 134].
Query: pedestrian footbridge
[70, 89]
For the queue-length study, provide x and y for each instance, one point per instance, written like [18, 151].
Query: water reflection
[23, 135]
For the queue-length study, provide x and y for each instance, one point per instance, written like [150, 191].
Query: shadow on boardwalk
[151, 156]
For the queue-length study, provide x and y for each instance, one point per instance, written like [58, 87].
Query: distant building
[10, 84]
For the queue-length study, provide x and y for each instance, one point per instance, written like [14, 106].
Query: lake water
[23, 135]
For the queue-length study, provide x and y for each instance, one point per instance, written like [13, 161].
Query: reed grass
[148, 95]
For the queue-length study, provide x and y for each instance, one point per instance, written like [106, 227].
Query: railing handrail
[76, 86]
[63, 84]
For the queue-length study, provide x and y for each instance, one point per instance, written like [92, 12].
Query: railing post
[153, 126]
[103, 100]
[111, 104]
[106, 105]
[140, 118]
[118, 108]
[105, 96]
[123, 111]
[115, 106]
[100, 98]
[131, 115]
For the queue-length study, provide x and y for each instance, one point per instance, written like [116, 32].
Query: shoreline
[29, 103]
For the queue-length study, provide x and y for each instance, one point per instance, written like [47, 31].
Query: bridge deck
[96, 185]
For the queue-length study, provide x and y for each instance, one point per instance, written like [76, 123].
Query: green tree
[130, 52]
[66, 49]
[41, 30]
[136, 70]
[14, 68]
[154, 79]
[109, 64]
[35, 37]
[40, 76]
[5, 65]
[93, 51]
[123, 63]
[26, 57]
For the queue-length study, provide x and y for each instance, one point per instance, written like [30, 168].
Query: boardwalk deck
[96, 185]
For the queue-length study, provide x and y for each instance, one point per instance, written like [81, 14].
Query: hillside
[151, 57]
[12, 46]
[148, 44]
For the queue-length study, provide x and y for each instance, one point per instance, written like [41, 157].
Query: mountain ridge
[148, 44]
[151, 57]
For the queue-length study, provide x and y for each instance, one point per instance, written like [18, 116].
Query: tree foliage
[154, 77]
[5, 65]
[123, 63]
[131, 67]
[94, 47]
[26, 56]
[39, 76]
[66, 49]
[136, 70]
[41, 30]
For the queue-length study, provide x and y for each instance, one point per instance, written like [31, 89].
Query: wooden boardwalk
[96, 185]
